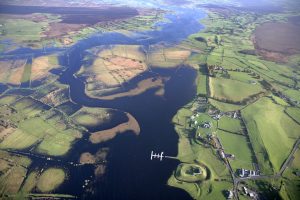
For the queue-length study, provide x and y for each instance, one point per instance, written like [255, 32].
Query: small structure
[222, 154]
[217, 117]
[251, 194]
[229, 194]
[196, 171]
[245, 190]
[247, 173]
[231, 156]
[207, 125]
[235, 115]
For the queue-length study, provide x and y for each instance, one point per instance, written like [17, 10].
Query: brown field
[100, 170]
[113, 66]
[99, 156]
[60, 29]
[11, 71]
[73, 16]
[276, 40]
[41, 67]
[117, 64]
[142, 86]
[13, 169]
[105, 135]
[87, 158]
[167, 57]
[4, 132]
[56, 97]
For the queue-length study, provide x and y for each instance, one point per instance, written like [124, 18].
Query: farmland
[246, 89]
[108, 69]
[89, 88]
[231, 90]
[271, 131]
[46, 25]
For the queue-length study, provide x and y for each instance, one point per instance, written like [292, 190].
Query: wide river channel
[130, 172]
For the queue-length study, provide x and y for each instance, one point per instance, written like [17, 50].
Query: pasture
[271, 131]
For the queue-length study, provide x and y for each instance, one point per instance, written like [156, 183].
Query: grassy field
[271, 131]
[51, 179]
[27, 73]
[184, 172]
[224, 107]
[36, 124]
[233, 90]
[237, 145]
[291, 182]
[13, 169]
[242, 78]
[201, 119]
[202, 82]
[91, 117]
[191, 152]
[294, 113]
[30, 182]
[11, 71]
[215, 190]
[21, 30]
[230, 125]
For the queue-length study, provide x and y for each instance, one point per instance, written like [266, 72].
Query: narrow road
[227, 163]
[287, 161]
[282, 169]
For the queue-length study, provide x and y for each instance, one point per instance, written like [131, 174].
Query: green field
[21, 29]
[232, 90]
[230, 125]
[294, 113]
[190, 151]
[224, 107]
[13, 169]
[184, 173]
[91, 117]
[272, 132]
[50, 179]
[241, 79]
[239, 147]
[26, 73]
[35, 124]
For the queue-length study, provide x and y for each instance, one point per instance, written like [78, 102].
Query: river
[130, 172]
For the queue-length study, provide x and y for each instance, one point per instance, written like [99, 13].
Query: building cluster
[244, 173]
[250, 193]
[216, 114]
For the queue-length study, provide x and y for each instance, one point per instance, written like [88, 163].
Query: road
[288, 160]
[236, 180]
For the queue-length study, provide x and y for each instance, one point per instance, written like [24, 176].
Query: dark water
[130, 173]
[74, 15]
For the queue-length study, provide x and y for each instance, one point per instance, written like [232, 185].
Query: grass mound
[51, 179]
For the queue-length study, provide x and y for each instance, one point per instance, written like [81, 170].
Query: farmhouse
[229, 194]
[222, 154]
[247, 173]
[217, 117]
[231, 156]
[207, 125]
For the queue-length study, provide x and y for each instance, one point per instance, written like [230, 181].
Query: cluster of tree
[245, 101]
